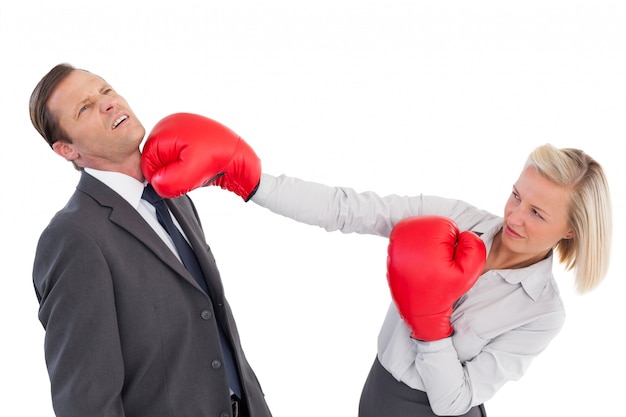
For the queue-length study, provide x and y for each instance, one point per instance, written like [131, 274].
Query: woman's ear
[64, 149]
[570, 234]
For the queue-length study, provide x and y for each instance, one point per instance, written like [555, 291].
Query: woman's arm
[344, 209]
[454, 387]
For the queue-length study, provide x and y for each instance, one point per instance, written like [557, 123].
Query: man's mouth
[119, 121]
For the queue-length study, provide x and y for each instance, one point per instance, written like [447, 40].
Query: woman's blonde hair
[589, 211]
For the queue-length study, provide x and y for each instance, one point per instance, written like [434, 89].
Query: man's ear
[64, 149]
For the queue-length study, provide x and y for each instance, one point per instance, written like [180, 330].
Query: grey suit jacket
[128, 330]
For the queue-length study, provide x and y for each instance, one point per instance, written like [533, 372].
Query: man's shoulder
[84, 208]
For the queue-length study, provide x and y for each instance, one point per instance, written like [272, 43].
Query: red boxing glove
[430, 265]
[185, 151]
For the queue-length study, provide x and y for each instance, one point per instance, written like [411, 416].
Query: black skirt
[384, 396]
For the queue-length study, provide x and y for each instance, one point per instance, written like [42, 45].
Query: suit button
[224, 414]
[216, 364]
[206, 314]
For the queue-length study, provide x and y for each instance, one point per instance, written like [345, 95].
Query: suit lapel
[126, 217]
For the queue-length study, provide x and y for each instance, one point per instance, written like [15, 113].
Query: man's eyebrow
[103, 86]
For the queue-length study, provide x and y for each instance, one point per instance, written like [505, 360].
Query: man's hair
[40, 115]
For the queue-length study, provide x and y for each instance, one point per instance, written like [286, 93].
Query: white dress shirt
[500, 325]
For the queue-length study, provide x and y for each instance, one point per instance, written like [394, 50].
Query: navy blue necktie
[190, 262]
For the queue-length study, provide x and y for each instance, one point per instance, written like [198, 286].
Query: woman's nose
[515, 215]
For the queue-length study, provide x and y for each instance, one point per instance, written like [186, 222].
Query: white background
[393, 96]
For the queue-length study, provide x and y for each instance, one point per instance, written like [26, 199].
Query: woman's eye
[82, 109]
[536, 214]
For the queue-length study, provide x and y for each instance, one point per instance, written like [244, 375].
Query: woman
[560, 204]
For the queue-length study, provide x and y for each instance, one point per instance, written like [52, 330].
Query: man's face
[104, 131]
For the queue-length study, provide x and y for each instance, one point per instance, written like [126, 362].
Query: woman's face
[535, 215]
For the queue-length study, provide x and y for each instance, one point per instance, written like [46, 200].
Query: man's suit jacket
[128, 330]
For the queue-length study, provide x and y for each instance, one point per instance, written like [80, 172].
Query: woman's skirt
[384, 396]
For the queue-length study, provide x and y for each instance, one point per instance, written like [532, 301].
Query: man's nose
[107, 104]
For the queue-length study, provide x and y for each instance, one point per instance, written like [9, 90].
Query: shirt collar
[533, 278]
[126, 186]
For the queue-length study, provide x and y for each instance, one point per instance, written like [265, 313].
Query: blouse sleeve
[455, 383]
[344, 209]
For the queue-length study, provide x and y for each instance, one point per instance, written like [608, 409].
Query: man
[129, 331]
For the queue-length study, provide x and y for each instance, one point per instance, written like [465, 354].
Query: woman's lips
[512, 232]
